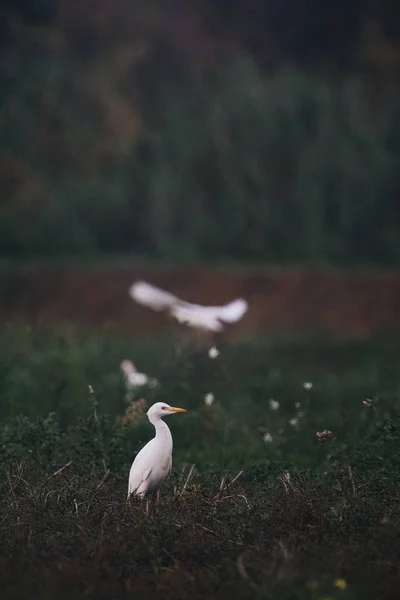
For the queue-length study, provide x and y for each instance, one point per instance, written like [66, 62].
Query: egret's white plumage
[210, 318]
[154, 462]
[133, 378]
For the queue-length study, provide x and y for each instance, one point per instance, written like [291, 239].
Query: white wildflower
[324, 435]
[267, 437]
[293, 422]
[213, 352]
[209, 399]
[297, 404]
[133, 378]
[307, 385]
[273, 404]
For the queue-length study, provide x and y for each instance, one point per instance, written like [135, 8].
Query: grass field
[307, 517]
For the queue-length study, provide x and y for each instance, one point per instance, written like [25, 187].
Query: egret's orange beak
[174, 409]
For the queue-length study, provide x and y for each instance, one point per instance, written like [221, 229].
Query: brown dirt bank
[282, 300]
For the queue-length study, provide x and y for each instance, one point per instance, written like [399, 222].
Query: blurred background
[215, 148]
[218, 129]
[202, 132]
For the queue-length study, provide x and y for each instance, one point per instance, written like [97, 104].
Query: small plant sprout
[213, 352]
[209, 399]
[273, 404]
[307, 385]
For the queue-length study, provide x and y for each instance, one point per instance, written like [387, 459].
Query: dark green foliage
[234, 164]
[302, 514]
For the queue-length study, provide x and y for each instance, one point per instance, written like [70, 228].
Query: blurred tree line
[249, 130]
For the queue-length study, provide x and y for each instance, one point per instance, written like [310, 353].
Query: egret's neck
[162, 432]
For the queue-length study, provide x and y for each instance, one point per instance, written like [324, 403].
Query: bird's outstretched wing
[152, 296]
[231, 312]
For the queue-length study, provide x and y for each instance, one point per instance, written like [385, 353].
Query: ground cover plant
[285, 478]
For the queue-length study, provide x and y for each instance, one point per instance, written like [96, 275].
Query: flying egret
[154, 462]
[208, 318]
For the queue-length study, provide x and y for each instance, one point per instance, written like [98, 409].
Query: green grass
[302, 514]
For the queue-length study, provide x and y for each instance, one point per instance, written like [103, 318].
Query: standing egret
[208, 318]
[154, 462]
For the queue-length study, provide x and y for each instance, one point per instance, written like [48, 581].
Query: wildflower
[297, 404]
[267, 437]
[307, 385]
[341, 584]
[324, 435]
[367, 402]
[133, 378]
[91, 390]
[273, 404]
[293, 422]
[209, 399]
[213, 352]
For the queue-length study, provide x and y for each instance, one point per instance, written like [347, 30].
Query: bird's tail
[233, 311]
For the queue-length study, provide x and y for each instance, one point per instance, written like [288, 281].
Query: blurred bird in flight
[207, 318]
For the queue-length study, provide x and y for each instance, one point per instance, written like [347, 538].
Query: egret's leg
[158, 496]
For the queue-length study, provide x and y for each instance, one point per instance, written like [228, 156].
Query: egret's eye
[164, 408]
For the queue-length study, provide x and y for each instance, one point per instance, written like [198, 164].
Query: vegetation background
[213, 130]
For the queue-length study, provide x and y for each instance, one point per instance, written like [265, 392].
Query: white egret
[209, 318]
[154, 462]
